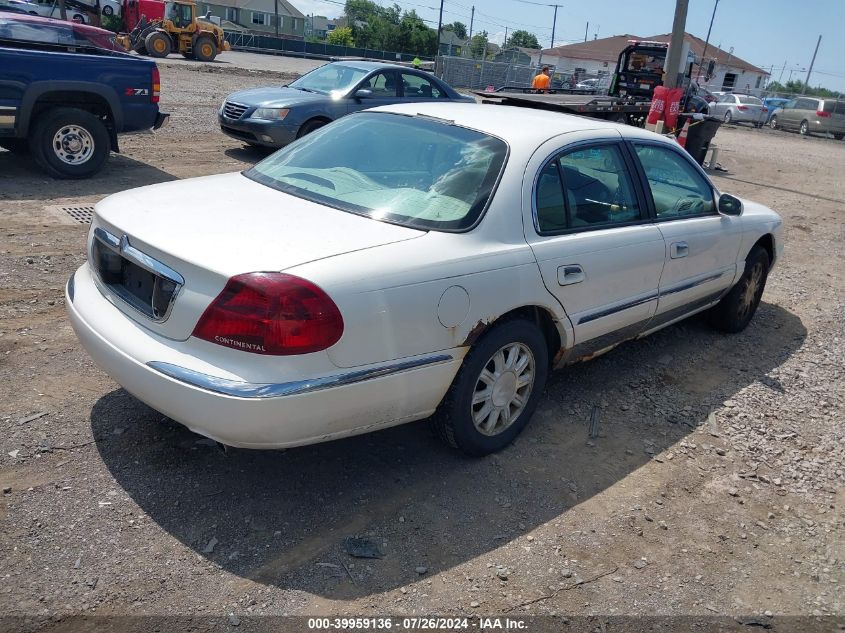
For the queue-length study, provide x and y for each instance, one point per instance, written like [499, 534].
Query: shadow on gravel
[22, 179]
[249, 154]
[280, 517]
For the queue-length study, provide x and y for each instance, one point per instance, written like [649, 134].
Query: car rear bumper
[268, 133]
[216, 404]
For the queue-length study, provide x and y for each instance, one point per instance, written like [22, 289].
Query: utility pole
[554, 24]
[439, 29]
[276, 8]
[812, 62]
[676, 45]
[781, 70]
[707, 41]
[506, 38]
[586, 31]
[471, 20]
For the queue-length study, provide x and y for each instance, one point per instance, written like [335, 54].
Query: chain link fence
[477, 74]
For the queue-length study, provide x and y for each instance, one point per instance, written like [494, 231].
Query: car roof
[37, 19]
[370, 65]
[513, 124]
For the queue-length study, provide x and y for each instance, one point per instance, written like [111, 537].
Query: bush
[112, 23]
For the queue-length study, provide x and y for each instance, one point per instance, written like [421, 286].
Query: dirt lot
[716, 486]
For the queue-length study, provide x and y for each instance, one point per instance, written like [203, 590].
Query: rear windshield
[750, 100]
[415, 171]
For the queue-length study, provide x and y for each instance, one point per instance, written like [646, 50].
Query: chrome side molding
[238, 389]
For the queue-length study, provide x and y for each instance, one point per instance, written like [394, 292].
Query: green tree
[341, 37]
[389, 28]
[478, 45]
[458, 28]
[796, 87]
[523, 39]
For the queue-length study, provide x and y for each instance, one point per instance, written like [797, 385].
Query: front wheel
[107, 10]
[773, 123]
[734, 312]
[310, 126]
[70, 143]
[804, 129]
[496, 390]
[158, 44]
[205, 50]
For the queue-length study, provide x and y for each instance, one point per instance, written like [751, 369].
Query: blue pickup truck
[67, 90]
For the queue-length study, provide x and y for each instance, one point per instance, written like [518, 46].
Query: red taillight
[765, 109]
[156, 93]
[822, 113]
[271, 313]
[742, 108]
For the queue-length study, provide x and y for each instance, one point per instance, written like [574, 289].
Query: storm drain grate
[81, 215]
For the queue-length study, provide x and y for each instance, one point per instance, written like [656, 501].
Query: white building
[596, 57]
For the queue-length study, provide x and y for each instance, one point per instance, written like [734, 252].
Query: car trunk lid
[164, 252]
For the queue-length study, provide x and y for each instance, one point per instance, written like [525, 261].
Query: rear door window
[586, 188]
[806, 104]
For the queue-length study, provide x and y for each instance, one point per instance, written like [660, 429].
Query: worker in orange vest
[542, 80]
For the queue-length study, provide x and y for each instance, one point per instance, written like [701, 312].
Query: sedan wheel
[503, 389]
[107, 10]
[735, 310]
[728, 116]
[496, 390]
[773, 123]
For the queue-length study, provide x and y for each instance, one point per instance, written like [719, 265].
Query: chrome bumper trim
[238, 389]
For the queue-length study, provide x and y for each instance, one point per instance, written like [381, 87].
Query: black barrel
[699, 135]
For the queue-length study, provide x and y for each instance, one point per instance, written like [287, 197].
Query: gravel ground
[716, 485]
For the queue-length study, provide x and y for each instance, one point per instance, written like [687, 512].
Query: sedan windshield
[330, 78]
[415, 171]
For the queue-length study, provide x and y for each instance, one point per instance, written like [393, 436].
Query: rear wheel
[496, 390]
[157, 44]
[735, 310]
[107, 10]
[728, 116]
[804, 129]
[838, 136]
[205, 50]
[773, 123]
[70, 143]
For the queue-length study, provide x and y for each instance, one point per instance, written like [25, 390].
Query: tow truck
[639, 70]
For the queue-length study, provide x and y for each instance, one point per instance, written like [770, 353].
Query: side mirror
[363, 93]
[730, 205]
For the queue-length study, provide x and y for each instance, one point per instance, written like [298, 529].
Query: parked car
[810, 115]
[413, 260]
[42, 9]
[587, 84]
[275, 116]
[74, 90]
[772, 104]
[739, 108]
[13, 9]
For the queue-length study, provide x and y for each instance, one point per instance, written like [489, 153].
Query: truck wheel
[108, 10]
[69, 143]
[205, 50]
[15, 145]
[157, 44]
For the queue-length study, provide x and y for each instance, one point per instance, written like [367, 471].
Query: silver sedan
[738, 108]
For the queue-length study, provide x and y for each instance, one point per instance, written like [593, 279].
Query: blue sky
[764, 32]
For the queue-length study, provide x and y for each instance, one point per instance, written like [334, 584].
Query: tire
[734, 312]
[728, 116]
[205, 50]
[493, 357]
[310, 126]
[69, 143]
[15, 145]
[838, 136]
[158, 44]
[108, 10]
[804, 130]
[773, 123]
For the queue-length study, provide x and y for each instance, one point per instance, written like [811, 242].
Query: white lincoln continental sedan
[412, 261]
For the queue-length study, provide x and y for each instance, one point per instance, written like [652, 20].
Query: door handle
[572, 274]
[678, 249]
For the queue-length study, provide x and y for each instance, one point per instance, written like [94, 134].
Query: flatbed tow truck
[639, 70]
